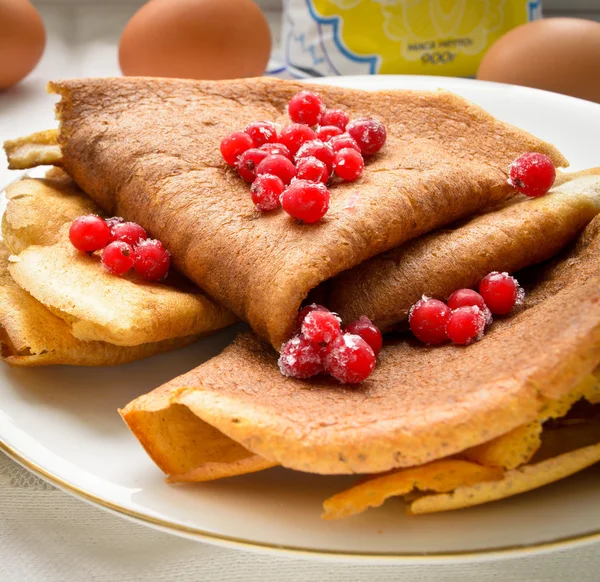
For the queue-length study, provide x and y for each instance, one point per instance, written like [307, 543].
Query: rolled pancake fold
[148, 149]
[421, 404]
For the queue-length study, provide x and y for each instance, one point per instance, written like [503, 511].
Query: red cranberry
[369, 134]
[427, 320]
[117, 257]
[306, 201]
[321, 327]
[348, 164]
[129, 232]
[300, 358]
[345, 140]
[111, 222]
[335, 117]
[326, 132]
[89, 233]
[466, 297]
[465, 325]
[532, 174]
[277, 166]
[151, 260]
[277, 149]
[234, 145]
[247, 163]
[261, 132]
[294, 135]
[317, 149]
[350, 359]
[501, 292]
[304, 312]
[367, 330]
[266, 191]
[306, 107]
[312, 170]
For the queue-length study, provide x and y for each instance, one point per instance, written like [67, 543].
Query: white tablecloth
[46, 535]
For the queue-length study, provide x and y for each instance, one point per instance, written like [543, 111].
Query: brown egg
[22, 40]
[196, 39]
[556, 54]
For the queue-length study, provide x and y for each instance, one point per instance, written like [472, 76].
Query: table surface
[45, 534]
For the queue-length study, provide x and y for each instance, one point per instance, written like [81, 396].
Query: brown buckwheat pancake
[420, 404]
[148, 149]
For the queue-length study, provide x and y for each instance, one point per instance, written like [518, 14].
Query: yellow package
[417, 37]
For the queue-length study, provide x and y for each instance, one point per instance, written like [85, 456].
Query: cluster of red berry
[463, 319]
[320, 346]
[124, 245]
[292, 169]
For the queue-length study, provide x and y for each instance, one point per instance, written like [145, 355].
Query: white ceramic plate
[63, 424]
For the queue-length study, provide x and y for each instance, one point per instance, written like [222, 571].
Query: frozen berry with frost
[465, 297]
[321, 327]
[304, 312]
[501, 292]
[117, 257]
[350, 359]
[326, 132]
[234, 145]
[114, 220]
[348, 164]
[300, 358]
[278, 166]
[266, 192]
[317, 149]
[312, 170]
[370, 134]
[336, 117]
[345, 140]
[128, 232]
[306, 201]
[248, 162]
[294, 135]
[306, 107]
[427, 320]
[367, 330]
[151, 260]
[261, 132]
[465, 325]
[277, 149]
[532, 174]
[89, 233]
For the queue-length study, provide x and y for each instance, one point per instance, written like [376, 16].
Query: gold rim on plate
[240, 543]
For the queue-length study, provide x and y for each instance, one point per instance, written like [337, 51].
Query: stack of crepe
[458, 425]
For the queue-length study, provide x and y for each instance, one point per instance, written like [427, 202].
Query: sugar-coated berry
[465, 325]
[345, 140]
[326, 132]
[151, 260]
[321, 327]
[294, 135]
[501, 292]
[367, 330]
[114, 220]
[304, 312]
[128, 232]
[234, 145]
[335, 117]
[427, 320]
[466, 297]
[317, 149]
[266, 192]
[117, 257]
[248, 162]
[89, 233]
[312, 170]
[348, 164]
[277, 149]
[306, 201]
[350, 359]
[370, 134]
[306, 107]
[277, 166]
[261, 132]
[532, 174]
[300, 358]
